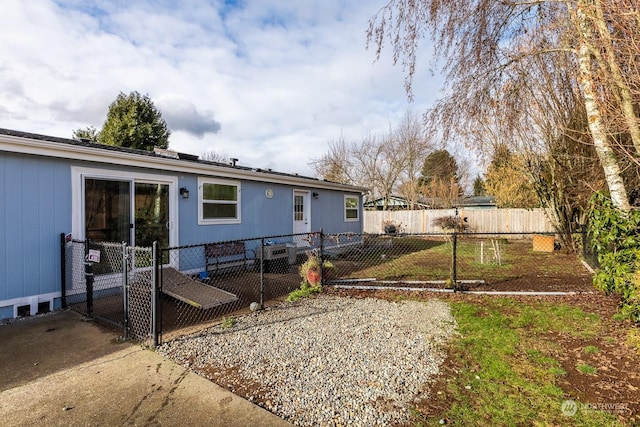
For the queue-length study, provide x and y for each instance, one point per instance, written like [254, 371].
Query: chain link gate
[113, 284]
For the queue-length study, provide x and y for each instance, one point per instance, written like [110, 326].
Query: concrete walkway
[60, 371]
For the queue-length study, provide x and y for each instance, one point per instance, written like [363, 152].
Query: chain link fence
[210, 282]
[111, 283]
[153, 294]
[521, 262]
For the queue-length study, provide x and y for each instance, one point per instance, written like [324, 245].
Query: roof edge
[43, 145]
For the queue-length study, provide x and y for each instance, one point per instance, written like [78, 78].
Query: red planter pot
[313, 277]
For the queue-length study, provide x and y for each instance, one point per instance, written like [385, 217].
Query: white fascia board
[39, 147]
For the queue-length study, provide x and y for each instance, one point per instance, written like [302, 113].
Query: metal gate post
[155, 284]
[262, 274]
[454, 267]
[88, 275]
[125, 290]
[63, 270]
[321, 257]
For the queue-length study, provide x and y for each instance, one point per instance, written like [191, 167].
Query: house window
[351, 208]
[298, 208]
[219, 201]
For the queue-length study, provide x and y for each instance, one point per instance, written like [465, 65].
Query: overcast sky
[270, 82]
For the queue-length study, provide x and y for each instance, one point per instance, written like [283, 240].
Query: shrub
[614, 235]
[450, 223]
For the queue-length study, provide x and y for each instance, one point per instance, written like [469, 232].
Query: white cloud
[269, 82]
[181, 115]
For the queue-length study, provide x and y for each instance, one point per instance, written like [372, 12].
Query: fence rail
[152, 294]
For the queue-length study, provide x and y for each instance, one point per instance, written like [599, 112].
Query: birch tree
[483, 45]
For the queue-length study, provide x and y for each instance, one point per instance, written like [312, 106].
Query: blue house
[51, 185]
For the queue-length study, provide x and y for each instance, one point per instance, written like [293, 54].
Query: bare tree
[336, 165]
[485, 43]
[414, 146]
[214, 156]
[379, 162]
[441, 193]
[387, 162]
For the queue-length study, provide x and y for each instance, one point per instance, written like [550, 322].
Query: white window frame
[357, 208]
[208, 221]
[78, 175]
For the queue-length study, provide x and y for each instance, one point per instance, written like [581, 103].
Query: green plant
[633, 339]
[304, 291]
[557, 371]
[591, 349]
[311, 274]
[614, 235]
[587, 369]
[229, 322]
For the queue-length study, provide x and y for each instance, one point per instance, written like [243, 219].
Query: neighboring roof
[398, 202]
[394, 202]
[51, 146]
[479, 201]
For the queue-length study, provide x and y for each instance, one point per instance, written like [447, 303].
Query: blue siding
[36, 208]
[327, 212]
[4, 201]
[14, 241]
[262, 216]
[6, 312]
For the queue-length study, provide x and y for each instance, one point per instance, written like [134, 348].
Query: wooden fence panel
[479, 220]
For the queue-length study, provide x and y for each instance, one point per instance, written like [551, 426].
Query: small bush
[229, 322]
[450, 223]
[304, 291]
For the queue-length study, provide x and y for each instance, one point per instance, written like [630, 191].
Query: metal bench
[229, 254]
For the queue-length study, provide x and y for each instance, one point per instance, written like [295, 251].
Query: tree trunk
[619, 85]
[605, 153]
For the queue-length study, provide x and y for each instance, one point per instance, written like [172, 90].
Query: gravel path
[326, 361]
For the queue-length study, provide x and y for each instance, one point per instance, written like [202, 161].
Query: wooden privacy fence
[478, 220]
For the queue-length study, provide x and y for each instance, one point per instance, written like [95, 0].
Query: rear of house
[50, 186]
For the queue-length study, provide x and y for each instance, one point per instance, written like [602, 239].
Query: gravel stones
[327, 360]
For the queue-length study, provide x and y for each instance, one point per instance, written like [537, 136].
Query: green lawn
[506, 373]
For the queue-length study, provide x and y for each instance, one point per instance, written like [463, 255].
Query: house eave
[38, 147]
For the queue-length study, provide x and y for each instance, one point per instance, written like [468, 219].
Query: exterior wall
[328, 213]
[261, 216]
[35, 207]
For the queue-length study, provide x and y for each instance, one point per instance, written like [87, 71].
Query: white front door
[301, 212]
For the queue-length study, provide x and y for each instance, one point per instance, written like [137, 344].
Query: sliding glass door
[151, 214]
[107, 210]
[110, 204]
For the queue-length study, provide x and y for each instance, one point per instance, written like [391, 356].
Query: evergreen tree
[133, 121]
